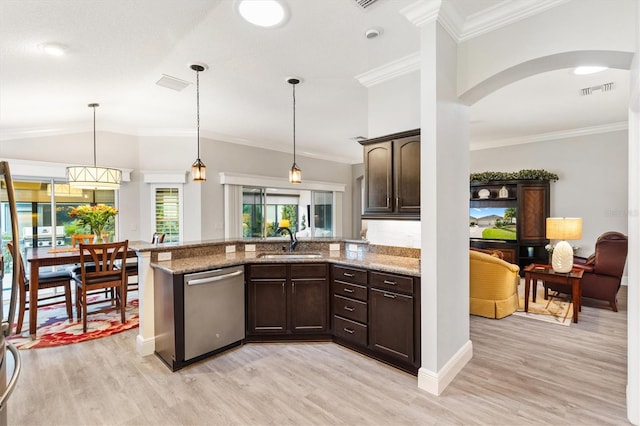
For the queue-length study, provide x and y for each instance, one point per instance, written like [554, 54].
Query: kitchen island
[176, 260]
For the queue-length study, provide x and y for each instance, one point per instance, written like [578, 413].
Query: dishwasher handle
[208, 280]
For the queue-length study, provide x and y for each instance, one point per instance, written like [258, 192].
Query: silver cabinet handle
[390, 296]
[293, 287]
[349, 308]
[348, 290]
[346, 274]
[389, 282]
[348, 330]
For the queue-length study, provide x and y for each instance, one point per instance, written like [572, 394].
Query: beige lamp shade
[564, 228]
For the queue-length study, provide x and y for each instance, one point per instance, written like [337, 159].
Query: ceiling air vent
[606, 87]
[365, 3]
[172, 83]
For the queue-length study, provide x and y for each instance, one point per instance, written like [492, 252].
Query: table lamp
[563, 228]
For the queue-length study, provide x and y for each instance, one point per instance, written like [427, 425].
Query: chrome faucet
[294, 241]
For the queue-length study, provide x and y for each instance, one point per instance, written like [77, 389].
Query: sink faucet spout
[294, 241]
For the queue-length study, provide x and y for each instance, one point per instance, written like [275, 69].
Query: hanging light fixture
[198, 169]
[295, 174]
[93, 177]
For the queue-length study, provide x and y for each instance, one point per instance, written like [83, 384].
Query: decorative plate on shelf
[484, 193]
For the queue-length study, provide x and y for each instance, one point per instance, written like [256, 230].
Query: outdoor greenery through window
[167, 213]
[263, 209]
[43, 213]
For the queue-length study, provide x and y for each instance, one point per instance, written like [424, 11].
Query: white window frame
[180, 188]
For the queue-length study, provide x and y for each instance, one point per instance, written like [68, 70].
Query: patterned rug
[556, 309]
[54, 328]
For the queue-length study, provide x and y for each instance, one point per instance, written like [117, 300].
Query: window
[167, 212]
[263, 209]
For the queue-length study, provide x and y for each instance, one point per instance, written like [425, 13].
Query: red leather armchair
[602, 270]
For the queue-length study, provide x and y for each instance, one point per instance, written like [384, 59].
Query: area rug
[55, 329]
[556, 309]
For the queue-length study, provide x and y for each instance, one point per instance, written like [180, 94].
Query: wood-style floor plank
[523, 372]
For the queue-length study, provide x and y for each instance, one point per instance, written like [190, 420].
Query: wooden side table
[537, 272]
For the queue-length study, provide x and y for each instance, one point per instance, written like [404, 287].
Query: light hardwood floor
[523, 372]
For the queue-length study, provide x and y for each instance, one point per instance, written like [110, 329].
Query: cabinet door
[378, 178]
[309, 305]
[533, 210]
[406, 158]
[267, 306]
[391, 324]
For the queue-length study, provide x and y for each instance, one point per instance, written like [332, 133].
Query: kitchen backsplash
[399, 233]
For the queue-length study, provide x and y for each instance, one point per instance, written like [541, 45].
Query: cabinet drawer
[308, 270]
[351, 275]
[391, 282]
[353, 291]
[350, 308]
[268, 271]
[350, 330]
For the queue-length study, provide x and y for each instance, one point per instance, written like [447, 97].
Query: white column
[145, 342]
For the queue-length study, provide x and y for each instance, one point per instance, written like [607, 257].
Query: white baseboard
[145, 347]
[436, 382]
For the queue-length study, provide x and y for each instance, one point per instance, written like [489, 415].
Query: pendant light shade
[295, 174]
[93, 177]
[198, 169]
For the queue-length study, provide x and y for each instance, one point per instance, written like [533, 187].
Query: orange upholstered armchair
[493, 285]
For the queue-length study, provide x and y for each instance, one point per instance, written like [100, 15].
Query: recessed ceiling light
[263, 13]
[54, 49]
[588, 69]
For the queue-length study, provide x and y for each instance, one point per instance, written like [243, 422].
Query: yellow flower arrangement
[95, 217]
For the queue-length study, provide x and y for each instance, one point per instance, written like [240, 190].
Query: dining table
[38, 257]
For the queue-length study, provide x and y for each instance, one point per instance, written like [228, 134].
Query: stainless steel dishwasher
[213, 310]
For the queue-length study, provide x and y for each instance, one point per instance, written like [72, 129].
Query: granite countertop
[380, 262]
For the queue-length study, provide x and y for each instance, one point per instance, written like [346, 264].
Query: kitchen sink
[290, 255]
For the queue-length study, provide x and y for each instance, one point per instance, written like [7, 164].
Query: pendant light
[93, 177]
[198, 169]
[295, 174]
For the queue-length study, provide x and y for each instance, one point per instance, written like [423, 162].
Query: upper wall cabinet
[392, 176]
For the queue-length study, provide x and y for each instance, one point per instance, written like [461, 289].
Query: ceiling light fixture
[588, 69]
[54, 49]
[263, 13]
[93, 177]
[295, 174]
[198, 169]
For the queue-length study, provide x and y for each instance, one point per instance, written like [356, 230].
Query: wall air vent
[606, 87]
[365, 3]
[172, 83]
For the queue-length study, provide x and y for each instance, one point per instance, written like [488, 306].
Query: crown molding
[543, 137]
[391, 70]
[501, 14]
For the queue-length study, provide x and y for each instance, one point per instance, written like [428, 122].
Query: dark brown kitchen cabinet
[391, 324]
[392, 176]
[287, 299]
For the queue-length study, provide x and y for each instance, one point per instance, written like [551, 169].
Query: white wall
[592, 181]
[394, 105]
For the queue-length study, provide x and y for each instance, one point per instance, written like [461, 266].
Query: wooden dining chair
[86, 238]
[100, 271]
[46, 280]
[132, 264]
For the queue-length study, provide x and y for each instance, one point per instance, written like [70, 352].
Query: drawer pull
[349, 308]
[389, 282]
[346, 274]
[390, 296]
[348, 290]
[348, 330]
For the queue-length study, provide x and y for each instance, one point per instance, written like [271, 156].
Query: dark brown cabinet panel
[392, 176]
[309, 305]
[406, 162]
[287, 299]
[391, 324]
[267, 306]
[533, 210]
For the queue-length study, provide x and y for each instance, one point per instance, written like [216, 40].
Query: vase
[98, 238]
